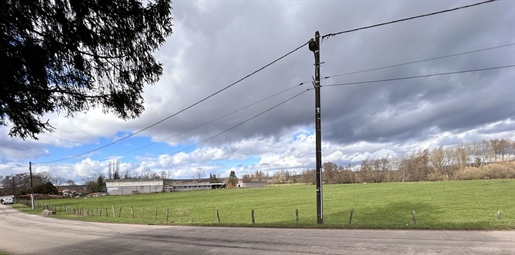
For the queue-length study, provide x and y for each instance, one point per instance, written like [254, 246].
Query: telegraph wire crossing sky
[218, 43]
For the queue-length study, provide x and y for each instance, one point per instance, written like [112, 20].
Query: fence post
[191, 216]
[499, 215]
[132, 212]
[166, 214]
[350, 217]
[155, 217]
[217, 216]
[413, 218]
[142, 212]
[107, 212]
[252, 216]
[114, 214]
[296, 215]
[120, 212]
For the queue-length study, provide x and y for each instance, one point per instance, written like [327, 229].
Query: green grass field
[437, 205]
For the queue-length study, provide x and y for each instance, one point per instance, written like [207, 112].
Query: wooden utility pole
[31, 186]
[314, 45]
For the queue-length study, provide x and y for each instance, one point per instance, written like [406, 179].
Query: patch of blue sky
[127, 150]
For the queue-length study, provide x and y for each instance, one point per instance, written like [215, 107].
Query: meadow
[437, 205]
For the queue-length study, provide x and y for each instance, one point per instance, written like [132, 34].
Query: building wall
[251, 184]
[132, 187]
[196, 186]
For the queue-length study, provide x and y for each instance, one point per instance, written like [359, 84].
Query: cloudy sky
[216, 43]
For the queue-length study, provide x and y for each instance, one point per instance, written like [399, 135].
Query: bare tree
[199, 173]
[57, 181]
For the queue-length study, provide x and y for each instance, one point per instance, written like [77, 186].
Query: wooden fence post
[132, 212]
[166, 214]
[142, 212]
[413, 218]
[252, 216]
[217, 216]
[350, 217]
[120, 212]
[114, 214]
[107, 212]
[296, 215]
[191, 216]
[155, 217]
[499, 215]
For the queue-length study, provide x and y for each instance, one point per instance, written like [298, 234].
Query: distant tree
[307, 176]
[101, 184]
[246, 178]
[199, 173]
[126, 174]
[70, 182]
[68, 56]
[233, 180]
[46, 188]
[91, 186]
[165, 174]
[57, 181]
[109, 170]
[213, 179]
[116, 175]
[113, 170]
[437, 159]
[147, 173]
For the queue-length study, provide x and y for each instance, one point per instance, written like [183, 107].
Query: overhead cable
[406, 19]
[411, 62]
[241, 123]
[418, 61]
[213, 120]
[418, 76]
[183, 110]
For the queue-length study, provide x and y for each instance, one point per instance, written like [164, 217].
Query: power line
[418, 76]
[419, 61]
[211, 121]
[411, 62]
[405, 19]
[243, 122]
[183, 110]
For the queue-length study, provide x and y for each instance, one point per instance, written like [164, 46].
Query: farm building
[251, 184]
[133, 186]
[173, 187]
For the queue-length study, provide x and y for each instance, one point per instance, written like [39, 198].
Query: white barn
[133, 186]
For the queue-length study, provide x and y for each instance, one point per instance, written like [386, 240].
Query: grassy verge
[437, 205]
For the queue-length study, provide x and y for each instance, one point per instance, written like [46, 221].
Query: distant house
[174, 187]
[133, 186]
[251, 184]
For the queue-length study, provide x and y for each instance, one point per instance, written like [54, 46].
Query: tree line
[493, 159]
[19, 184]
[483, 160]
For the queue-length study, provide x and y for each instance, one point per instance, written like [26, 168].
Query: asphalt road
[33, 234]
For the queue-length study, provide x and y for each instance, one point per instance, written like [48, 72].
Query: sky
[266, 122]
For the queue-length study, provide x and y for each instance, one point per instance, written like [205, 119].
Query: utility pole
[314, 45]
[31, 187]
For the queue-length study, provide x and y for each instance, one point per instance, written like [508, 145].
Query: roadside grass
[457, 205]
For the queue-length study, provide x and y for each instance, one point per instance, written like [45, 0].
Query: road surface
[34, 234]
